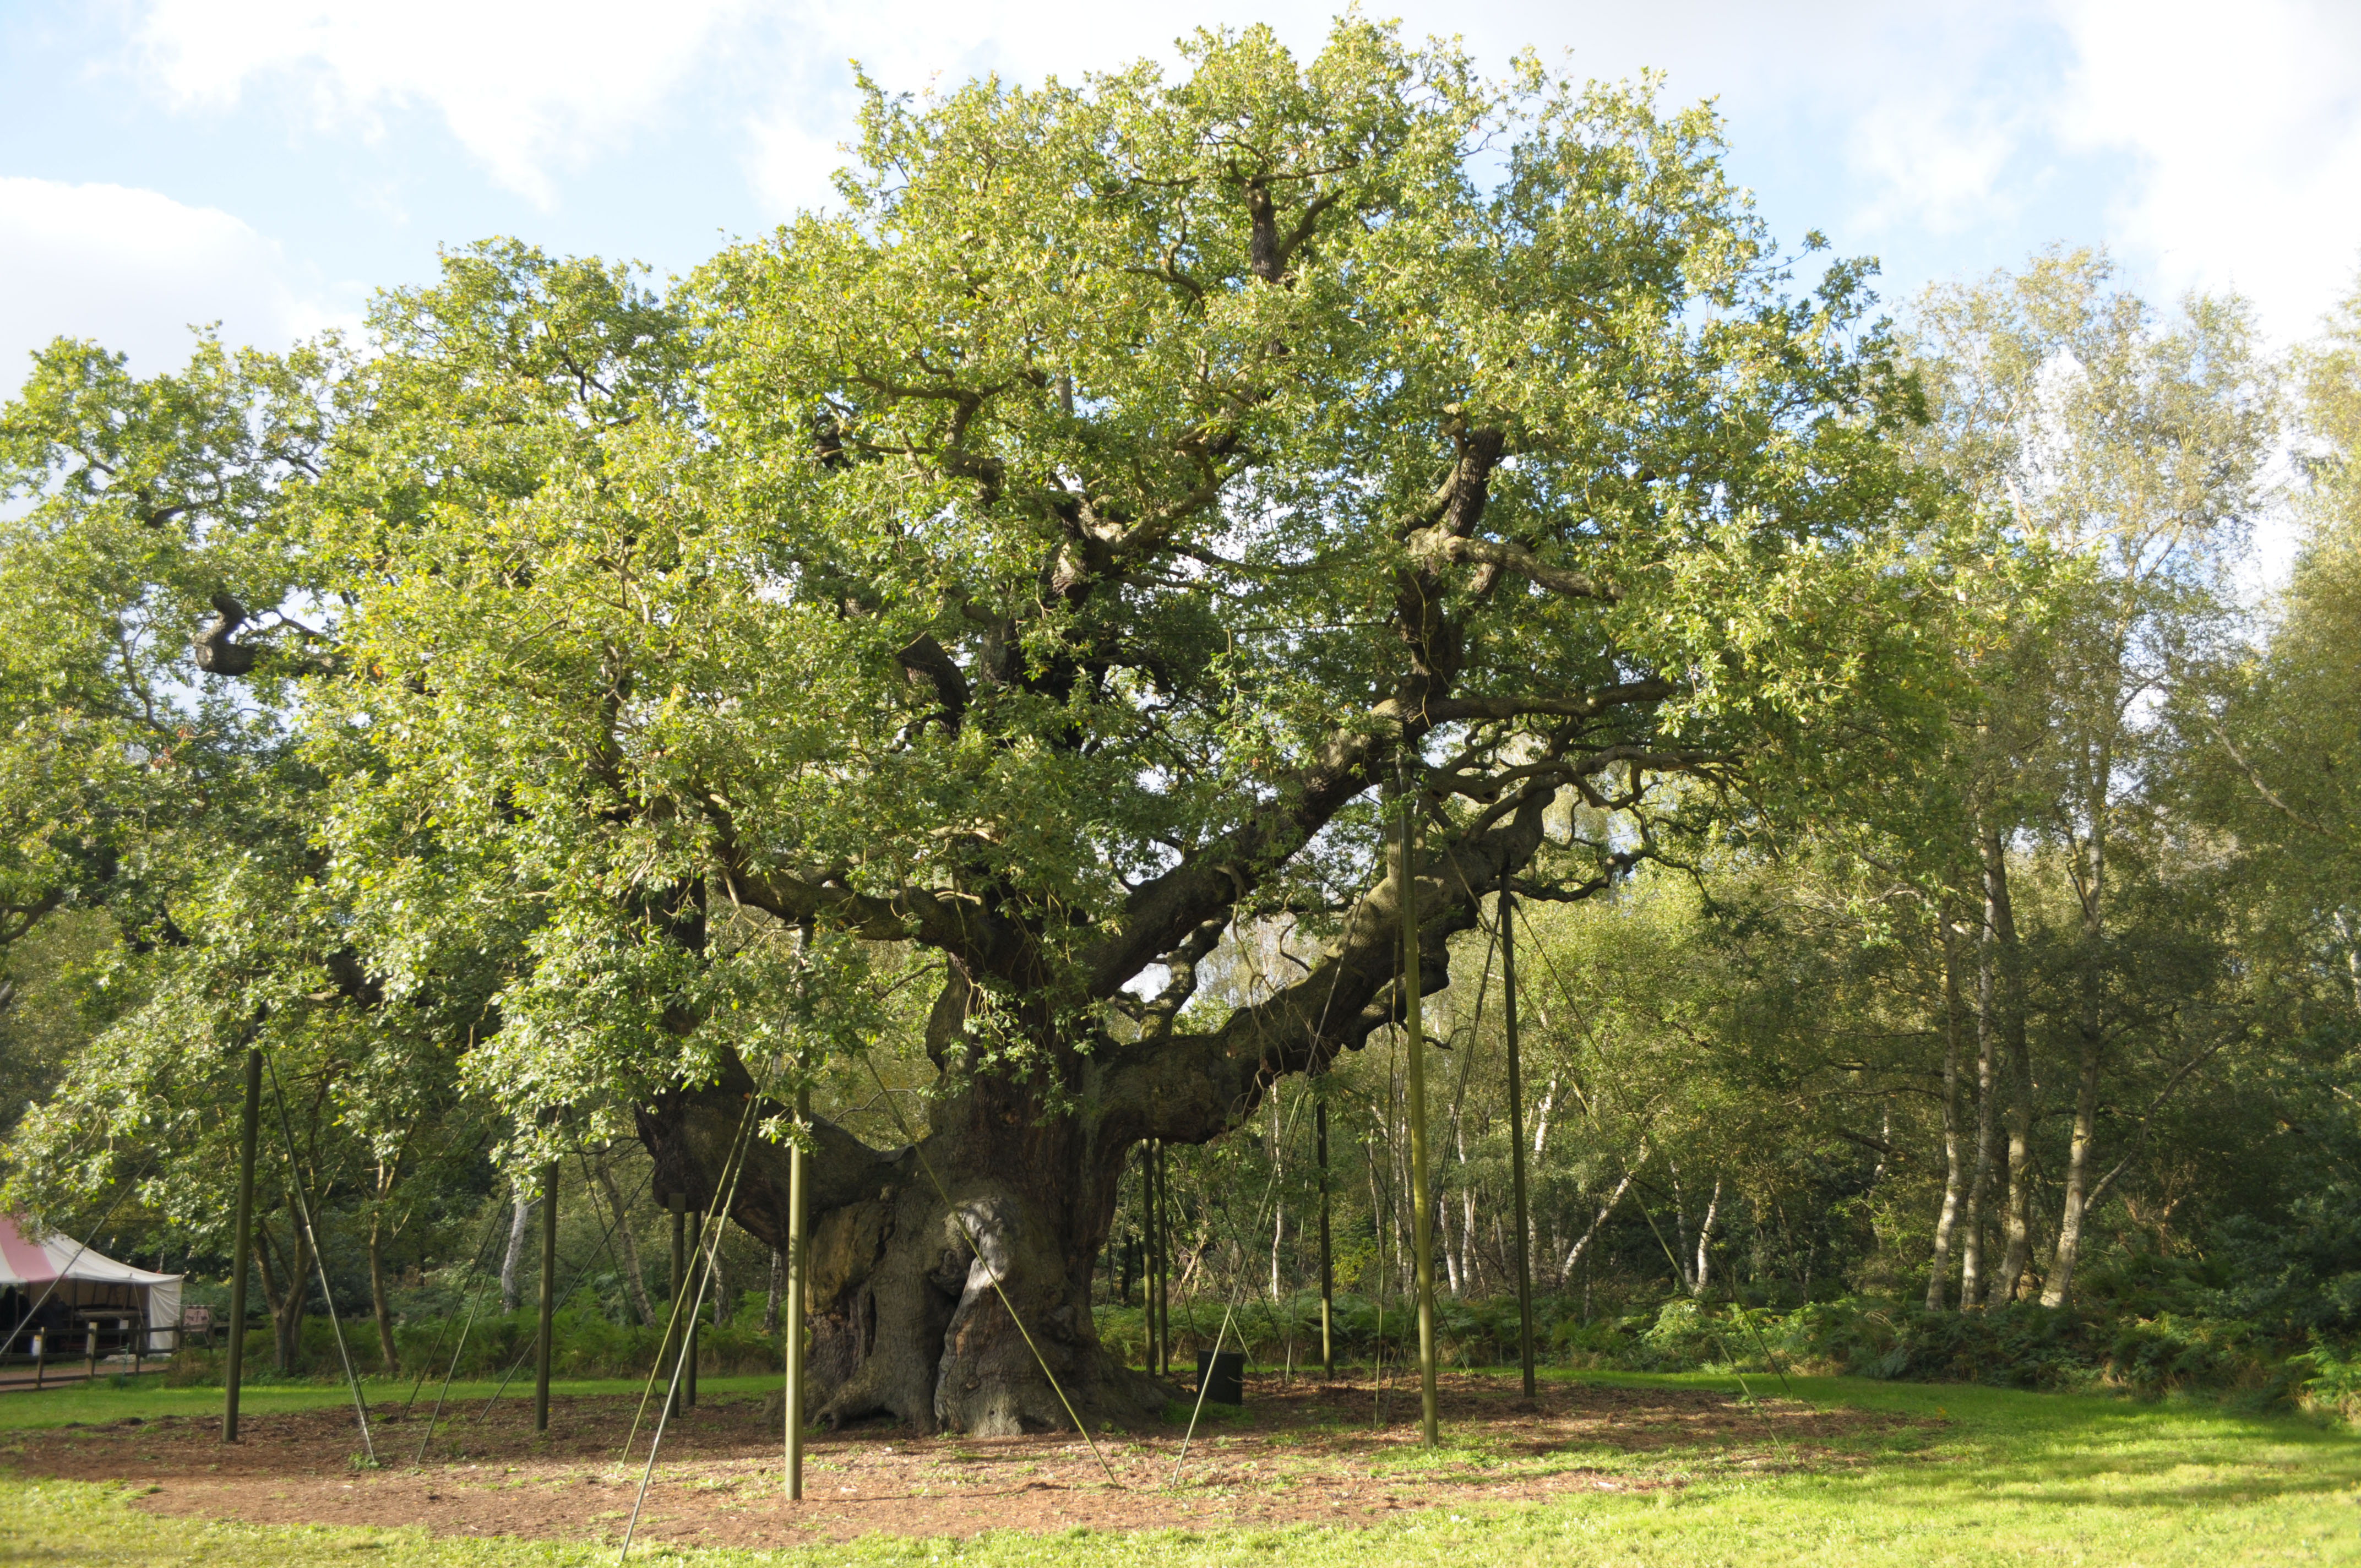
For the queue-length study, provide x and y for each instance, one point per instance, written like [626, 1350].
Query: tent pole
[1422, 1220]
[248, 1129]
[548, 1293]
[1517, 1133]
[793, 1417]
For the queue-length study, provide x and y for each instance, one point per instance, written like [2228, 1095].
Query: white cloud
[1935, 165]
[788, 164]
[523, 86]
[134, 269]
[1939, 114]
[809, 108]
[2245, 131]
[1734, 48]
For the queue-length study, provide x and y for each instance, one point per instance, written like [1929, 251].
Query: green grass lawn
[2009, 1477]
[103, 1401]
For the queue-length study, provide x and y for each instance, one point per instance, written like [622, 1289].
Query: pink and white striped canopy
[66, 1270]
[35, 1263]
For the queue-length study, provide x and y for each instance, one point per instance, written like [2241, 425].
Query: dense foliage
[957, 656]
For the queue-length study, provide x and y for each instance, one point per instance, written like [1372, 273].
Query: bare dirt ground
[1302, 1452]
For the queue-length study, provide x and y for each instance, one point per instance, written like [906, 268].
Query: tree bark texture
[2017, 1222]
[635, 1279]
[287, 1309]
[1972, 1247]
[1697, 1279]
[2090, 1024]
[520, 1211]
[1954, 1162]
[378, 1306]
[2059, 1284]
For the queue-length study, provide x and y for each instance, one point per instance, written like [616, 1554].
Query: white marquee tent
[86, 1282]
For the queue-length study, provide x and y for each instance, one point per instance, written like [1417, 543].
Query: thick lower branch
[1191, 1088]
[689, 1134]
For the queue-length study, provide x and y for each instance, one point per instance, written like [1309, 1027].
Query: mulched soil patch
[1302, 1452]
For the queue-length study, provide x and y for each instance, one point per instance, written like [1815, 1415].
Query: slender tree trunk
[1279, 1187]
[1938, 1270]
[1470, 1253]
[263, 1250]
[377, 1303]
[1972, 1284]
[1680, 1234]
[2059, 1283]
[724, 1306]
[1453, 1253]
[1459, 1252]
[299, 1293]
[2017, 1221]
[1705, 1240]
[778, 1287]
[1582, 1243]
[1463, 1265]
[1405, 1210]
[2343, 920]
[635, 1279]
[2090, 1028]
[1533, 1222]
[520, 1210]
[287, 1308]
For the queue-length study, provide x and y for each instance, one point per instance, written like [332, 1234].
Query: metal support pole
[249, 1128]
[1422, 1220]
[548, 1294]
[696, 1277]
[1517, 1133]
[1147, 1247]
[1148, 1209]
[795, 1404]
[1327, 1258]
[1163, 1269]
[678, 1203]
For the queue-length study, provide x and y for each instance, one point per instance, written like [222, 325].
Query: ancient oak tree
[1044, 562]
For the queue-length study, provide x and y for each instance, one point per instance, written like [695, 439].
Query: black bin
[1223, 1375]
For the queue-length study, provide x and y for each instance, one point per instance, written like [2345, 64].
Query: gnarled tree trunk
[1016, 1179]
[905, 1319]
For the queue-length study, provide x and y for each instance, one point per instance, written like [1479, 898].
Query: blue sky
[268, 163]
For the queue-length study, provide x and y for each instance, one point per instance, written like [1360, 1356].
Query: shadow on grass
[2066, 1450]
